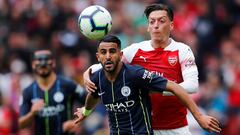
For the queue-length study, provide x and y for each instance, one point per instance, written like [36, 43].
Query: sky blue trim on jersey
[46, 98]
[59, 116]
[100, 88]
[129, 112]
[144, 114]
[35, 90]
[115, 114]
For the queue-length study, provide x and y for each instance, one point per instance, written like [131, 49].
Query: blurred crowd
[210, 27]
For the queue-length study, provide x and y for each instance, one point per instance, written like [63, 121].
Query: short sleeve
[95, 79]
[150, 81]
[25, 102]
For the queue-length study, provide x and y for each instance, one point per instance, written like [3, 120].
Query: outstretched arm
[90, 103]
[208, 123]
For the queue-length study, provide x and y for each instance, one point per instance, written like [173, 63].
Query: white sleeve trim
[189, 70]
[95, 67]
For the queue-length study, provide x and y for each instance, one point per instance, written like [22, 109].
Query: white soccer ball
[95, 22]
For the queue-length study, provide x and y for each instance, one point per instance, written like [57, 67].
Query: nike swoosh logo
[100, 94]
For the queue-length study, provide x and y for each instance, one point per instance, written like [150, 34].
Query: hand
[37, 106]
[80, 116]
[209, 123]
[69, 126]
[89, 85]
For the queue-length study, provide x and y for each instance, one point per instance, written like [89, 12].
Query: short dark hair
[154, 7]
[111, 38]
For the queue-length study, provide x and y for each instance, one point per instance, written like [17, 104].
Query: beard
[112, 69]
[43, 74]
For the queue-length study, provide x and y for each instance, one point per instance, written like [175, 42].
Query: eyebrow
[154, 18]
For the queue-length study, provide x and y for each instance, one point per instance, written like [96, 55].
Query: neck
[160, 43]
[111, 76]
[46, 83]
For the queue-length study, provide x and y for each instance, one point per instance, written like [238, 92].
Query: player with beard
[48, 101]
[165, 57]
[124, 90]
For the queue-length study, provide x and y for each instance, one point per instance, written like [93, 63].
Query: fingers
[37, 105]
[214, 122]
[90, 86]
[213, 125]
[77, 121]
[214, 128]
[79, 115]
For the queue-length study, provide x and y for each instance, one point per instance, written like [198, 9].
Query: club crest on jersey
[172, 60]
[126, 91]
[58, 97]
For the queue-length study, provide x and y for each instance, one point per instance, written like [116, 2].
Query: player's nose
[156, 25]
[108, 56]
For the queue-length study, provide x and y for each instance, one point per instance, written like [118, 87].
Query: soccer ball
[95, 22]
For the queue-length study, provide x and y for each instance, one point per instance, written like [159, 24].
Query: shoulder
[29, 89]
[144, 45]
[141, 44]
[184, 51]
[175, 45]
[94, 76]
[129, 67]
[134, 70]
[65, 80]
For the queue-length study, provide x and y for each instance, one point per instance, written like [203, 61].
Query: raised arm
[208, 123]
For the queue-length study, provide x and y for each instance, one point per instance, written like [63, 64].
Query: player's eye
[103, 51]
[162, 20]
[112, 51]
[151, 22]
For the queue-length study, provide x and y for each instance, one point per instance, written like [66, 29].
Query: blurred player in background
[48, 101]
[164, 57]
[124, 90]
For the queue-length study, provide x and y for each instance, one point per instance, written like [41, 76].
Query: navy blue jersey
[126, 100]
[58, 105]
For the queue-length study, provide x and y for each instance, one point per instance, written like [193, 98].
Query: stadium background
[210, 27]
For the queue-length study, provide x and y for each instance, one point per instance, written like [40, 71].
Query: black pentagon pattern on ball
[94, 27]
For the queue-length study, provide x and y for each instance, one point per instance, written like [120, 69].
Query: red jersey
[5, 119]
[176, 62]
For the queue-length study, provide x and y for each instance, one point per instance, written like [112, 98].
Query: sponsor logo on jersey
[51, 110]
[172, 60]
[190, 63]
[120, 107]
[126, 91]
[144, 59]
[58, 97]
[147, 75]
[157, 73]
[101, 93]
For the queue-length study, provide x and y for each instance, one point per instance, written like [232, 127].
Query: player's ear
[171, 26]
[121, 54]
[33, 65]
[148, 28]
[54, 63]
[97, 56]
